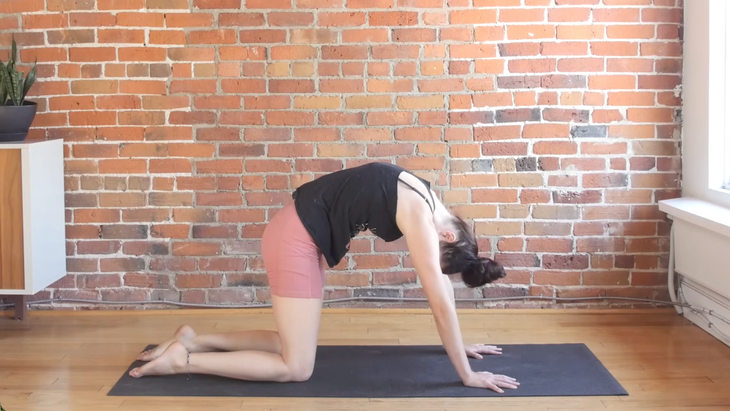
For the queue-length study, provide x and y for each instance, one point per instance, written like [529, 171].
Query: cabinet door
[12, 270]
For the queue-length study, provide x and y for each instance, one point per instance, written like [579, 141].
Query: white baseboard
[693, 293]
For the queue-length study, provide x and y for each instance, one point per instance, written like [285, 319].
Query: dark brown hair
[462, 256]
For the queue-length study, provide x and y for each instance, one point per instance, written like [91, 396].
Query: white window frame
[721, 167]
[726, 161]
[706, 101]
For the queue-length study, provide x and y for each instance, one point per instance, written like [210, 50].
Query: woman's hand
[475, 350]
[493, 382]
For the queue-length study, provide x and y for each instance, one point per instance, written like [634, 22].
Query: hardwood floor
[69, 360]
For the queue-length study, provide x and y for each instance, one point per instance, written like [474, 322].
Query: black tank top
[336, 207]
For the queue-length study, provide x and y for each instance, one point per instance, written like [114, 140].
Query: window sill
[702, 213]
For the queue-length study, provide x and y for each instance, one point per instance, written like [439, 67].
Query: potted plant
[16, 114]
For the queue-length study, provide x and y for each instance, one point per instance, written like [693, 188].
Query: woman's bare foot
[184, 334]
[172, 361]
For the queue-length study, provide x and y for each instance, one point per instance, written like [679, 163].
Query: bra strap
[430, 205]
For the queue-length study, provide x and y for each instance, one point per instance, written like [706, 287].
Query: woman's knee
[302, 374]
[298, 373]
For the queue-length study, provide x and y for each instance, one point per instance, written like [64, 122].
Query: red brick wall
[553, 123]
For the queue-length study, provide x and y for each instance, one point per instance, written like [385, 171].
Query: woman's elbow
[442, 308]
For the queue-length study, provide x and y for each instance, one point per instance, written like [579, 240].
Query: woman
[317, 228]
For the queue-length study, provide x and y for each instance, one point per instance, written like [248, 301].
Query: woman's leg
[295, 268]
[292, 261]
[258, 340]
[297, 321]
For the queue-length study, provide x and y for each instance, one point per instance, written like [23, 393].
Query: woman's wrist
[467, 375]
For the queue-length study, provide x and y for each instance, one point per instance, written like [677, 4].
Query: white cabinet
[32, 217]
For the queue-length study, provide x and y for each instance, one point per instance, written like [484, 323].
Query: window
[706, 102]
[721, 168]
[726, 162]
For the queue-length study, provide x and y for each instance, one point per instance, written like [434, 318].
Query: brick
[565, 262]
[664, 15]
[566, 48]
[375, 261]
[393, 18]
[344, 52]
[291, 86]
[566, 115]
[630, 32]
[580, 65]
[663, 180]
[555, 147]
[632, 131]
[582, 197]
[498, 292]
[650, 115]
[498, 228]
[497, 133]
[516, 115]
[393, 277]
[350, 19]
[655, 148]
[589, 131]
[414, 35]
[550, 245]
[259, 36]
[478, 16]
[606, 278]
[522, 15]
[583, 164]
[541, 65]
[669, 66]
[473, 117]
[518, 49]
[659, 82]
[388, 150]
[520, 180]
[546, 131]
[581, 32]
[530, 32]
[615, 48]
[624, 15]
[603, 148]
[421, 163]
[440, 86]
[294, 19]
[385, 86]
[517, 259]
[564, 15]
[631, 65]
[511, 244]
[560, 278]
[494, 149]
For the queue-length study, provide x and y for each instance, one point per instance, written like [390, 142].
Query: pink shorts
[293, 263]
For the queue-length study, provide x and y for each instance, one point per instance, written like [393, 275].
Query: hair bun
[494, 270]
[482, 271]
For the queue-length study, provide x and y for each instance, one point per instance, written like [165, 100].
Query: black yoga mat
[403, 372]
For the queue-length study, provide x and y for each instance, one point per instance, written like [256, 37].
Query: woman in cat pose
[316, 228]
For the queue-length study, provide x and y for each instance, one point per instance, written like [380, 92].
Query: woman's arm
[423, 244]
[416, 223]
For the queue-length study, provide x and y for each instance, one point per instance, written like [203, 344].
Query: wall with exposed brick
[553, 124]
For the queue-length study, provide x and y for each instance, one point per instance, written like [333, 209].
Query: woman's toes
[172, 361]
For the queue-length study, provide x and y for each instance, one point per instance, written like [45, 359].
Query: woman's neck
[441, 216]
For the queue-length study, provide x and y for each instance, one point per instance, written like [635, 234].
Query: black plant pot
[16, 120]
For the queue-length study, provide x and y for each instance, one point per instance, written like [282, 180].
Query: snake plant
[13, 85]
